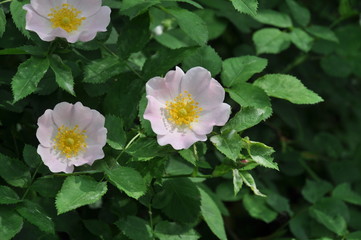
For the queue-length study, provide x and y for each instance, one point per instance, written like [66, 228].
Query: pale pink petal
[157, 88]
[43, 7]
[87, 36]
[47, 129]
[38, 24]
[154, 112]
[54, 163]
[165, 89]
[173, 81]
[71, 115]
[212, 96]
[91, 154]
[196, 81]
[180, 140]
[95, 131]
[97, 22]
[81, 116]
[62, 114]
[87, 7]
[218, 116]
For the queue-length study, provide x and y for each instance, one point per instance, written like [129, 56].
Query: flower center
[70, 141]
[66, 17]
[183, 110]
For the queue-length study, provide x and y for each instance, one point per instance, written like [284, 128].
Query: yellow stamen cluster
[183, 110]
[66, 17]
[70, 141]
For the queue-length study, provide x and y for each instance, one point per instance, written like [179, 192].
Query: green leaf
[249, 181]
[301, 14]
[240, 69]
[98, 228]
[146, 148]
[271, 40]
[135, 228]
[246, 6]
[314, 190]
[299, 225]
[205, 57]
[101, 70]
[8, 196]
[122, 101]
[229, 143]
[301, 39]
[344, 192]
[191, 24]
[188, 155]
[14, 171]
[260, 153]
[2, 22]
[171, 40]
[63, 74]
[34, 213]
[134, 36]
[354, 236]
[248, 95]
[278, 203]
[10, 223]
[133, 8]
[331, 213]
[287, 87]
[212, 215]
[193, 3]
[257, 208]
[322, 33]
[116, 136]
[247, 117]
[273, 18]
[165, 60]
[184, 194]
[215, 25]
[28, 76]
[18, 15]
[47, 187]
[78, 191]
[346, 9]
[31, 157]
[128, 180]
[173, 231]
[237, 181]
[336, 66]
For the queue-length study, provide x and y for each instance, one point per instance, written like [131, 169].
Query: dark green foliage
[280, 168]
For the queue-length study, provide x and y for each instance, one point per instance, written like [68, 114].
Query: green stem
[70, 174]
[195, 153]
[80, 55]
[31, 181]
[189, 175]
[300, 59]
[5, 1]
[15, 143]
[151, 219]
[308, 169]
[127, 146]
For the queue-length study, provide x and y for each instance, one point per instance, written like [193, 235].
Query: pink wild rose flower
[75, 20]
[70, 135]
[183, 107]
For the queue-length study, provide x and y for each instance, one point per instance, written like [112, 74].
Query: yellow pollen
[70, 141]
[65, 17]
[183, 110]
